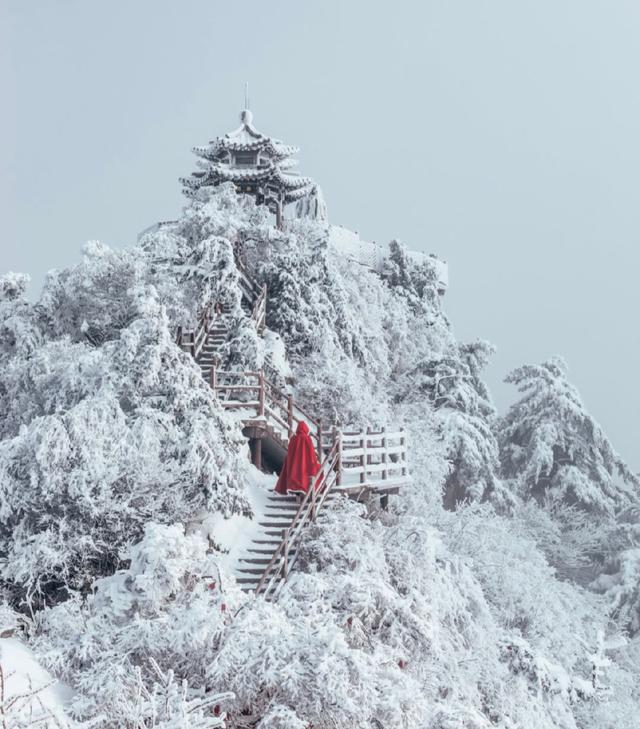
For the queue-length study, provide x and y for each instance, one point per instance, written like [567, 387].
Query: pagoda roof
[271, 169]
[246, 138]
[224, 172]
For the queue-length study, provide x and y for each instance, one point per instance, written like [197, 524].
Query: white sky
[501, 135]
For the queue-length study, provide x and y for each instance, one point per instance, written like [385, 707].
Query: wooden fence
[373, 458]
[192, 340]
[253, 393]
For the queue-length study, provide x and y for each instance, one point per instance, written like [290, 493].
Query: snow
[275, 353]
[42, 697]
[373, 255]
[447, 610]
[234, 535]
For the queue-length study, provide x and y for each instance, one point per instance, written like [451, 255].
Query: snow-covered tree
[417, 616]
[136, 651]
[551, 447]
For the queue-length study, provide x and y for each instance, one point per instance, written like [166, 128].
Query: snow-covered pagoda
[258, 165]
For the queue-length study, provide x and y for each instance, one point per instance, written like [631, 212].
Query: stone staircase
[216, 337]
[269, 535]
[272, 527]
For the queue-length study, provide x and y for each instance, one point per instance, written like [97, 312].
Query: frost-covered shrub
[19, 327]
[387, 625]
[136, 651]
[621, 586]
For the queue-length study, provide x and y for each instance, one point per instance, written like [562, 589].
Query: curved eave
[292, 182]
[193, 181]
[278, 149]
[236, 174]
[273, 148]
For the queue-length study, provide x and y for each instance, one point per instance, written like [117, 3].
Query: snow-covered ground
[373, 255]
[234, 535]
[31, 697]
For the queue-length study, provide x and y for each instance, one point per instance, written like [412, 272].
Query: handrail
[194, 340]
[282, 407]
[310, 506]
[259, 309]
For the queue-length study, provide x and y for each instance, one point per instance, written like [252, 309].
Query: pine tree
[552, 448]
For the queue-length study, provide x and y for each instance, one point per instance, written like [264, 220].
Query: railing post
[179, 337]
[363, 457]
[384, 454]
[312, 487]
[214, 377]
[285, 554]
[290, 414]
[403, 453]
[320, 453]
[338, 436]
[261, 393]
[264, 309]
[193, 345]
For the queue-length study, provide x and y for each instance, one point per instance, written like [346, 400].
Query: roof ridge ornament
[246, 117]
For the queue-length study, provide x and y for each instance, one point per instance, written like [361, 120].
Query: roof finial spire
[246, 117]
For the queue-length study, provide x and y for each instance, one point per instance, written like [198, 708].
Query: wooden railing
[253, 392]
[255, 295]
[192, 340]
[369, 458]
[259, 309]
[373, 458]
[311, 505]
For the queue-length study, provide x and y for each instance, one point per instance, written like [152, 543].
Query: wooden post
[279, 215]
[180, 336]
[338, 440]
[363, 458]
[320, 453]
[261, 393]
[285, 553]
[263, 319]
[290, 414]
[384, 454]
[312, 487]
[403, 454]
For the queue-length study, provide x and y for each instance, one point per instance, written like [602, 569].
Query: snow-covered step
[257, 571]
[275, 524]
[260, 551]
[251, 582]
[274, 542]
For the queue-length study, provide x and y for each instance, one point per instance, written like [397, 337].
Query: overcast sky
[502, 135]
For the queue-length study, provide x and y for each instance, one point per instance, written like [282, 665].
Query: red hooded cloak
[300, 463]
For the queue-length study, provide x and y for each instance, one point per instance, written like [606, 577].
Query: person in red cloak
[300, 463]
